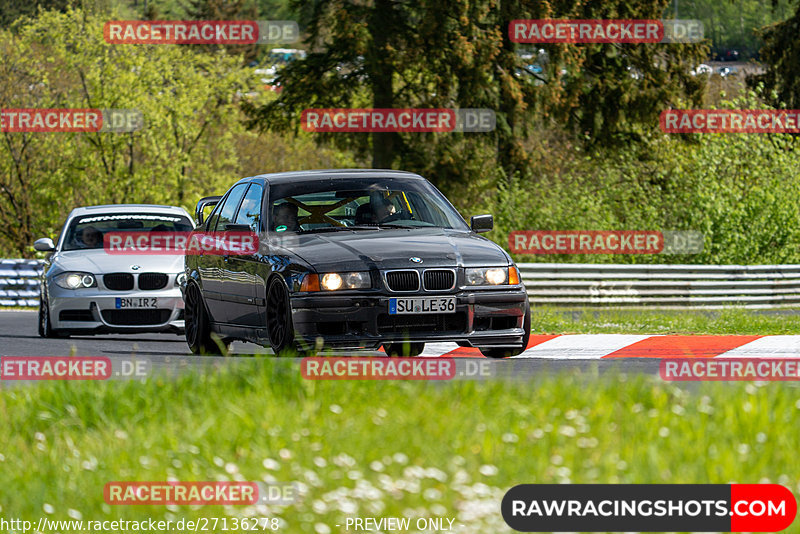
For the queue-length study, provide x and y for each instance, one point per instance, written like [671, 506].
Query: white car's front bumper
[99, 310]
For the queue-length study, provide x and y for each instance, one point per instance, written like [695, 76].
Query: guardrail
[662, 286]
[19, 282]
[573, 285]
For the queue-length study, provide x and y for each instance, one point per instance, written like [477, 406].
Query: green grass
[721, 322]
[382, 448]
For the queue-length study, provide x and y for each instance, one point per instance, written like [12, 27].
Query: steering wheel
[392, 217]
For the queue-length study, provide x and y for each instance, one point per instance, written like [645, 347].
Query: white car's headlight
[334, 281]
[492, 276]
[75, 280]
[180, 280]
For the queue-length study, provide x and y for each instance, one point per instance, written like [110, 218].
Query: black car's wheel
[506, 353]
[196, 325]
[279, 318]
[403, 349]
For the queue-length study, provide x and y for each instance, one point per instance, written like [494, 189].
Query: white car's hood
[98, 261]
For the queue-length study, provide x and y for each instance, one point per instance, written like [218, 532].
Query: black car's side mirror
[44, 244]
[481, 223]
[203, 204]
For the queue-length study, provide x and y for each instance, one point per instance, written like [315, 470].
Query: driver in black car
[375, 211]
[384, 210]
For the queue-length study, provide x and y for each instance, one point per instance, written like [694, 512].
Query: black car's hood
[392, 248]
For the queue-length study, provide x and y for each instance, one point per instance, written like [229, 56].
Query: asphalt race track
[19, 337]
[546, 353]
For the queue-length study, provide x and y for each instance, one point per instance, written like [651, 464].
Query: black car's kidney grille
[118, 281]
[152, 281]
[437, 323]
[438, 280]
[135, 317]
[403, 280]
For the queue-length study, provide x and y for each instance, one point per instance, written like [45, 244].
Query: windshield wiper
[337, 228]
[405, 226]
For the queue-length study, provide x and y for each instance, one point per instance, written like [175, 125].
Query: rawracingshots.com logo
[649, 508]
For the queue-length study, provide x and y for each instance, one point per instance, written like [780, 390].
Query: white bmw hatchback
[87, 290]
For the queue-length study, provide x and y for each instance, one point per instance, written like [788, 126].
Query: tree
[429, 53]
[780, 82]
[185, 150]
[225, 10]
[11, 10]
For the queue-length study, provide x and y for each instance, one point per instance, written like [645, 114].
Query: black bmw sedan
[352, 259]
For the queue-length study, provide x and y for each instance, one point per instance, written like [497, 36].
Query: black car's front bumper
[483, 319]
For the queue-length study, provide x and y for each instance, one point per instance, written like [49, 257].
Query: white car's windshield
[88, 231]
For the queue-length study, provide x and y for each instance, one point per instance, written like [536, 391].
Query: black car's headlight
[75, 280]
[336, 281]
[492, 276]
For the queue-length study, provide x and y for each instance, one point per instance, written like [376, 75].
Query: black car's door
[212, 266]
[240, 272]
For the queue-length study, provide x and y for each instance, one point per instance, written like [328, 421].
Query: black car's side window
[211, 222]
[250, 210]
[228, 209]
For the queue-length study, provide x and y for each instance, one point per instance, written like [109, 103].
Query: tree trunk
[381, 76]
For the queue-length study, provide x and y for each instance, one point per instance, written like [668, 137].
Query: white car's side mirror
[44, 244]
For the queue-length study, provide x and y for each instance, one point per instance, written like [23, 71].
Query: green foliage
[187, 99]
[780, 83]
[733, 321]
[433, 54]
[193, 143]
[739, 190]
[733, 24]
[11, 10]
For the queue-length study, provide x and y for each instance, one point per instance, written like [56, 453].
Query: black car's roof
[310, 176]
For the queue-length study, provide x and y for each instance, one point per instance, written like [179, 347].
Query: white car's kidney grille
[152, 281]
[118, 281]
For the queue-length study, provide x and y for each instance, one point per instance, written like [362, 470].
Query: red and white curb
[598, 346]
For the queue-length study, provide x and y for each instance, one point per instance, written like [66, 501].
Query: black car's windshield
[358, 204]
[89, 231]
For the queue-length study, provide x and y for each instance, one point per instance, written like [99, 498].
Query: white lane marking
[585, 347]
[438, 349]
[767, 347]
[581, 346]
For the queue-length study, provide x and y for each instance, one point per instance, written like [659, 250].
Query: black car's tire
[279, 318]
[506, 353]
[403, 349]
[196, 325]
